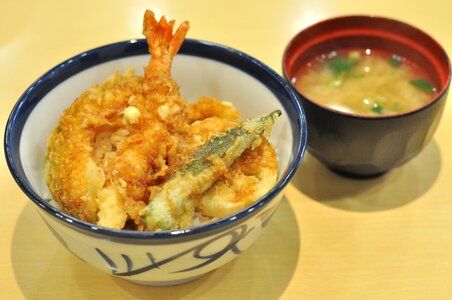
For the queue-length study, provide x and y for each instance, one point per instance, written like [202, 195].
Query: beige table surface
[331, 238]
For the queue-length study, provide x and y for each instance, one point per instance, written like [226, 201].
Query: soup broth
[365, 82]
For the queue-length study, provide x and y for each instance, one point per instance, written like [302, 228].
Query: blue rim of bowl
[31, 97]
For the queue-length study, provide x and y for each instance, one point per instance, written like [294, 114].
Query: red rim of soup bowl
[420, 46]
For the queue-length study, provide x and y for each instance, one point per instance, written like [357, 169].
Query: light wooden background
[332, 238]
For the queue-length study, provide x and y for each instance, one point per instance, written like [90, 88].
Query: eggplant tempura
[131, 153]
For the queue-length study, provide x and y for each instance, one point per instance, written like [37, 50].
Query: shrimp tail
[163, 44]
[173, 207]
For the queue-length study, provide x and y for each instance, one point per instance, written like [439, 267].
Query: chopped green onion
[339, 65]
[395, 60]
[377, 108]
[423, 85]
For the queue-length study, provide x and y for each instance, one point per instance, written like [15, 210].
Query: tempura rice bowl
[201, 69]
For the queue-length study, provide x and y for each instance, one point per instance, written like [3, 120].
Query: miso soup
[365, 82]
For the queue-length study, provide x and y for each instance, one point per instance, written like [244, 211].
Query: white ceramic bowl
[201, 69]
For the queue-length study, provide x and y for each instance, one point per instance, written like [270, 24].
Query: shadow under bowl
[367, 146]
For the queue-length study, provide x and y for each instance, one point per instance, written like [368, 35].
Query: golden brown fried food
[123, 138]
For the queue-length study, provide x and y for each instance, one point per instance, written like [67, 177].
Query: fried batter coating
[122, 139]
[249, 178]
[173, 205]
